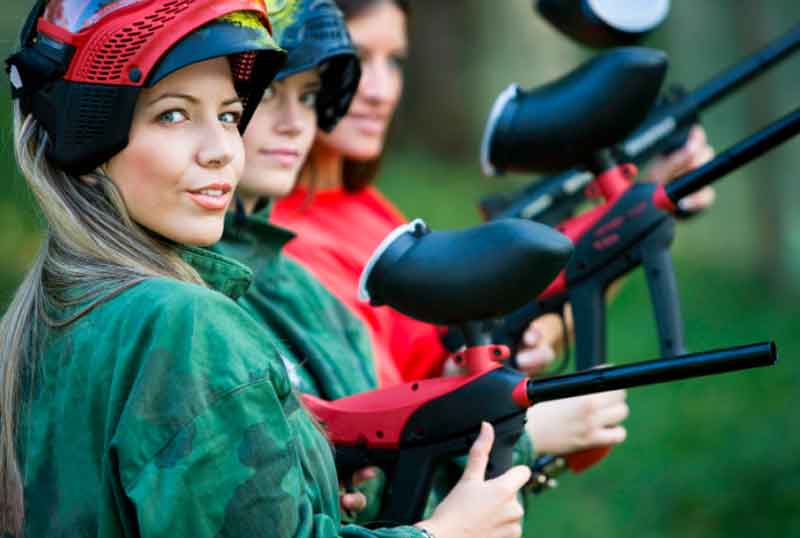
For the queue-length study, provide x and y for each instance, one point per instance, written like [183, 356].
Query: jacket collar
[219, 272]
[253, 239]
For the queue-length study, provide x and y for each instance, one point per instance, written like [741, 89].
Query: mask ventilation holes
[107, 63]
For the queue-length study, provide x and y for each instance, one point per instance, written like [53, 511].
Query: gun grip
[589, 313]
[582, 460]
[663, 286]
[506, 435]
[408, 487]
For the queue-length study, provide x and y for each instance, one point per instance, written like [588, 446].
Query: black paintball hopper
[453, 277]
[563, 123]
[604, 23]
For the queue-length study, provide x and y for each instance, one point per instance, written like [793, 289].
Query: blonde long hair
[89, 239]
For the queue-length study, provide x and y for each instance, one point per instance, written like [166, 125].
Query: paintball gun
[555, 198]
[461, 278]
[634, 226]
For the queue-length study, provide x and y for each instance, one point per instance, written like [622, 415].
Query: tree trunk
[435, 112]
[756, 27]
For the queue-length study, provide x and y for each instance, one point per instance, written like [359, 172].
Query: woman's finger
[353, 502]
[536, 359]
[611, 416]
[362, 475]
[478, 457]
[610, 436]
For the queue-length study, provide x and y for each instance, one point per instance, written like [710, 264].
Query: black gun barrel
[654, 371]
[666, 119]
[732, 78]
[745, 151]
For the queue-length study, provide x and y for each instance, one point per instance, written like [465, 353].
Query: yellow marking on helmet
[247, 19]
[283, 13]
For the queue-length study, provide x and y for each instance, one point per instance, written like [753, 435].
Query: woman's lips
[284, 157]
[213, 197]
[368, 124]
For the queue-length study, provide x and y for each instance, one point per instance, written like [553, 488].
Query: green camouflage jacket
[327, 349]
[165, 412]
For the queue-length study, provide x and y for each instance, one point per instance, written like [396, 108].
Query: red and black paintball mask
[83, 63]
[314, 34]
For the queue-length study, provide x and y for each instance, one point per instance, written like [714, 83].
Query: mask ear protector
[40, 60]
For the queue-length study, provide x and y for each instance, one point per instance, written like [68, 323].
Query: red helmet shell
[122, 42]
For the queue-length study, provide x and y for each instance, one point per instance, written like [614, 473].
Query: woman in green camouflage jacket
[136, 398]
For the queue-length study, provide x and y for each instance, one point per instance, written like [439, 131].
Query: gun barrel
[666, 119]
[651, 372]
[740, 73]
[745, 151]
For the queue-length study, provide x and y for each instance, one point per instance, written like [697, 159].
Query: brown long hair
[90, 237]
[357, 175]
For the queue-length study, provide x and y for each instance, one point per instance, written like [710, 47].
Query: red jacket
[337, 232]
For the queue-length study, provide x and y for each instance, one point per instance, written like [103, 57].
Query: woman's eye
[172, 116]
[231, 117]
[310, 99]
[269, 93]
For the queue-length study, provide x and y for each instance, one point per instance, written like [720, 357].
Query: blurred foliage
[710, 457]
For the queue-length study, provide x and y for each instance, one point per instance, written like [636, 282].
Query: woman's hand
[695, 153]
[479, 508]
[537, 348]
[355, 502]
[573, 424]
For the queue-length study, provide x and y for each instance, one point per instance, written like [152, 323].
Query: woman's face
[279, 137]
[380, 36]
[185, 155]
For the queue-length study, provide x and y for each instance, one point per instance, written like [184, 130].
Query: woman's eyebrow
[191, 99]
[183, 96]
[232, 101]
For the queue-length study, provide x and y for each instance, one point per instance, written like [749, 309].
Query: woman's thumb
[478, 457]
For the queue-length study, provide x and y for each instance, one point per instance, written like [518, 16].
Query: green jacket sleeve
[242, 478]
[213, 442]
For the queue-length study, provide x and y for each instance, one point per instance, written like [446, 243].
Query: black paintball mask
[314, 34]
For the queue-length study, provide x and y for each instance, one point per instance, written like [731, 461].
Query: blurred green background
[712, 457]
